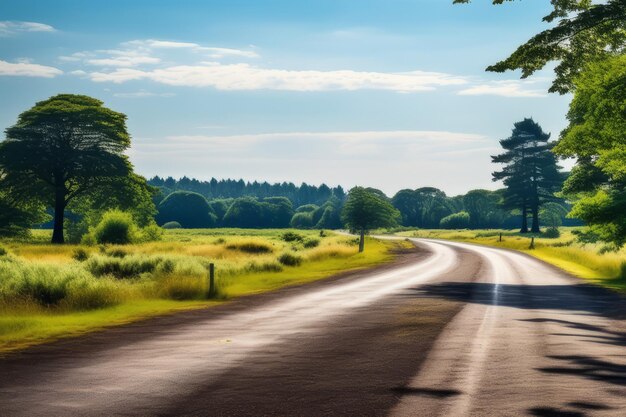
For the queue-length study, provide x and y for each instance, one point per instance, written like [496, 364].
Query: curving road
[451, 329]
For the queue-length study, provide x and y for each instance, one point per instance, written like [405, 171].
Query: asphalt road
[451, 329]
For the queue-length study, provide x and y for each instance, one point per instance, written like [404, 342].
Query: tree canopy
[64, 149]
[596, 137]
[530, 173]
[189, 209]
[586, 31]
[365, 210]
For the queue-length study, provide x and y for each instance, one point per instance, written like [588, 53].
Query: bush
[289, 259]
[189, 209]
[292, 237]
[172, 225]
[80, 255]
[458, 220]
[552, 233]
[151, 233]
[264, 267]
[117, 252]
[116, 227]
[311, 243]
[3, 251]
[302, 220]
[251, 247]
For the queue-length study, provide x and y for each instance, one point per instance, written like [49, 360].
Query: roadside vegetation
[49, 291]
[590, 261]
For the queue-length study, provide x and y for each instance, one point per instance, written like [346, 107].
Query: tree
[189, 209]
[365, 210]
[530, 174]
[587, 31]
[458, 220]
[65, 148]
[483, 208]
[17, 219]
[596, 137]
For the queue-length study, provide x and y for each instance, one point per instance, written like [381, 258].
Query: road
[451, 329]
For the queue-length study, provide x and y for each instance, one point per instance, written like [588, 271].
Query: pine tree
[531, 175]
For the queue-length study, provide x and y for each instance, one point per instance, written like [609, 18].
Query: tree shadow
[579, 297]
[428, 392]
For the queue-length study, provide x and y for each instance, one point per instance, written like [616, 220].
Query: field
[582, 260]
[52, 291]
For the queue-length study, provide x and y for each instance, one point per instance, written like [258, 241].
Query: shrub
[80, 255]
[88, 240]
[151, 233]
[171, 225]
[116, 227]
[3, 251]
[189, 209]
[264, 267]
[117, 252]
[251, 247]
[181, 287]
[127, 267]
[302, 220]
[458, 220]
[311, 243]
[552, 233]
[289, 259]
[292, 237]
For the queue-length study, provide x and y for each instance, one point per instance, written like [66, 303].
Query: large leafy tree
[189, 209]
[365, 210]
[530, 173]
[585, 31]
[596, 137]
[65, 149]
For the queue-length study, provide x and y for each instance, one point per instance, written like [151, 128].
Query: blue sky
[390, 94]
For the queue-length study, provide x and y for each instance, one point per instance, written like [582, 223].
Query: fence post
[532, 243]
[211, 280]
[500, 237]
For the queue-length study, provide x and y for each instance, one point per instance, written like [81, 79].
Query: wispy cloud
[8, 27]
[505, 88]
[27, 69]
[142, 94]
[248, 77]
[211, 51]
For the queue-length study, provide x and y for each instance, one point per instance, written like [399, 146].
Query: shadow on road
[577, 297]
[428, 392]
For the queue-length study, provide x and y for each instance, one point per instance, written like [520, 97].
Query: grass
[49, 292]
[582, 260]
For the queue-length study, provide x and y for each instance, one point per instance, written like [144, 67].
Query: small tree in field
[365, 210]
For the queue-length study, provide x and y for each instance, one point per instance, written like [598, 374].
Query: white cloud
[213, 52]
[505, 88]
[27, 69]
[247, 77]
[142, 94]
[11, 27]
[123, 61]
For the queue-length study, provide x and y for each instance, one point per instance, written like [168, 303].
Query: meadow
[588, 261]
[52, 291]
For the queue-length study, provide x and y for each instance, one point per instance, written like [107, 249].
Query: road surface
[451, 329]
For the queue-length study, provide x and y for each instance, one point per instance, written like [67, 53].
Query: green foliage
[171, 225]
[302, 220]
[423, 208]
[307, 208]
[251, 247]
[484, 209]
[585, 32]
[365, 210]
[460, 220]
[151, 233]
[117, 228]
[552, 214]
[65, 150]
[247, 212]
[311, 243]
[596, 137]
[189, 209]
[16, 218]
[80, 255]
[290, 259]
[552, 233]
[292, 237]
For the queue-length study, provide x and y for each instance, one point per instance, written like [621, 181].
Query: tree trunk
[535, 225]
[362, 241]
[524, 228]
[59, 216]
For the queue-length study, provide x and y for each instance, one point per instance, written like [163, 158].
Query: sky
[390, 94]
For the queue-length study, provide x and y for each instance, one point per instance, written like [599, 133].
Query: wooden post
[532, 243]
[500, 237]
[211, 280]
